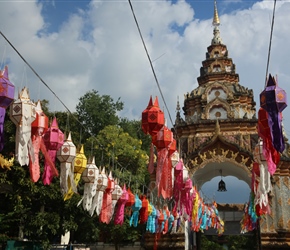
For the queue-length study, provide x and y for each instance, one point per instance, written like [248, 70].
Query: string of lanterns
[273, 101]
[103, 195]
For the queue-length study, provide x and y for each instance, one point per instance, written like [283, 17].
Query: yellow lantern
[80, 164]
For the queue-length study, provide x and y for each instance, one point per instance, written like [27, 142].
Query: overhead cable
[150, 61]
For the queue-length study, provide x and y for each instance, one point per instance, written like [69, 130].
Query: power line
[270, 43]
[151, 65]
[38, 76]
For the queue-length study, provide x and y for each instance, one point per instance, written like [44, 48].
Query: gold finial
[216, 20]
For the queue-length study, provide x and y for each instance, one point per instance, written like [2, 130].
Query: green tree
[96, 111]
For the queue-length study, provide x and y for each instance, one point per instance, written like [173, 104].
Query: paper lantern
[6, 89]
[258, 152]
[117, 192]
[162, 138]
[102, 183]
[119, 216]
[80, 164]
[152, 118]
[273, 99]
[131, 198]
[90, 177]
[116, 195]
[22, 114]
[6, 98]
[54, 137]
[66, 155]
[135, 211]
[172, 147]
[145, 125]
[39, 126]
[106, 211]
[91, 172]
[67, 151]
[53, 140]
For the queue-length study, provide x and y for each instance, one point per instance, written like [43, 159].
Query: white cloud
[100, 49]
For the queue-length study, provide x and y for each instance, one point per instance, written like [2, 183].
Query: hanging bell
[222, 186]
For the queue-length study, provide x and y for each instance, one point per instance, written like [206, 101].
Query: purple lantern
[6, 98]
[274, 100]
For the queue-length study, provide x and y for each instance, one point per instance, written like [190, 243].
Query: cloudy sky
[77, 46]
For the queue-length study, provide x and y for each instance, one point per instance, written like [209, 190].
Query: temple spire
[216, 22]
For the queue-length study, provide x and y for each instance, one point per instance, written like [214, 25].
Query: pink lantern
[22, 114]
[6, 98]
[53, 140]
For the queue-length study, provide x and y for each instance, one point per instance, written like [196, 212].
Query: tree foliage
[39, 213]
[96, 111]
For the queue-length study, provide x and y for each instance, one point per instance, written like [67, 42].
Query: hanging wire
[3, 57]
[150, 61]
[270, 43]
[37, 75]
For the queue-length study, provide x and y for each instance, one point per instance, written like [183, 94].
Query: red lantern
[162, 138]
[145, 125]
[152, 118]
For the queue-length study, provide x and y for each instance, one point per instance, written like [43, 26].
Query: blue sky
[77, 46]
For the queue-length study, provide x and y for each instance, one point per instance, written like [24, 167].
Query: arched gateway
[220, 129]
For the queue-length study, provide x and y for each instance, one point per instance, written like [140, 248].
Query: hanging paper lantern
[131, 198]
[80, 164]
[39, 127]
[90, 177]
[22, 114]
[102, 184]
[120, 211]
[106, 211]
[172, 147]
[53, 140]
[145, 125]
[144, 211]
[66, 155]
[116, 195]
[273, 99]
[135, 211]
[40, 124]
[162, 138]
[258, 153]
[6, 98]
[153, 118]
